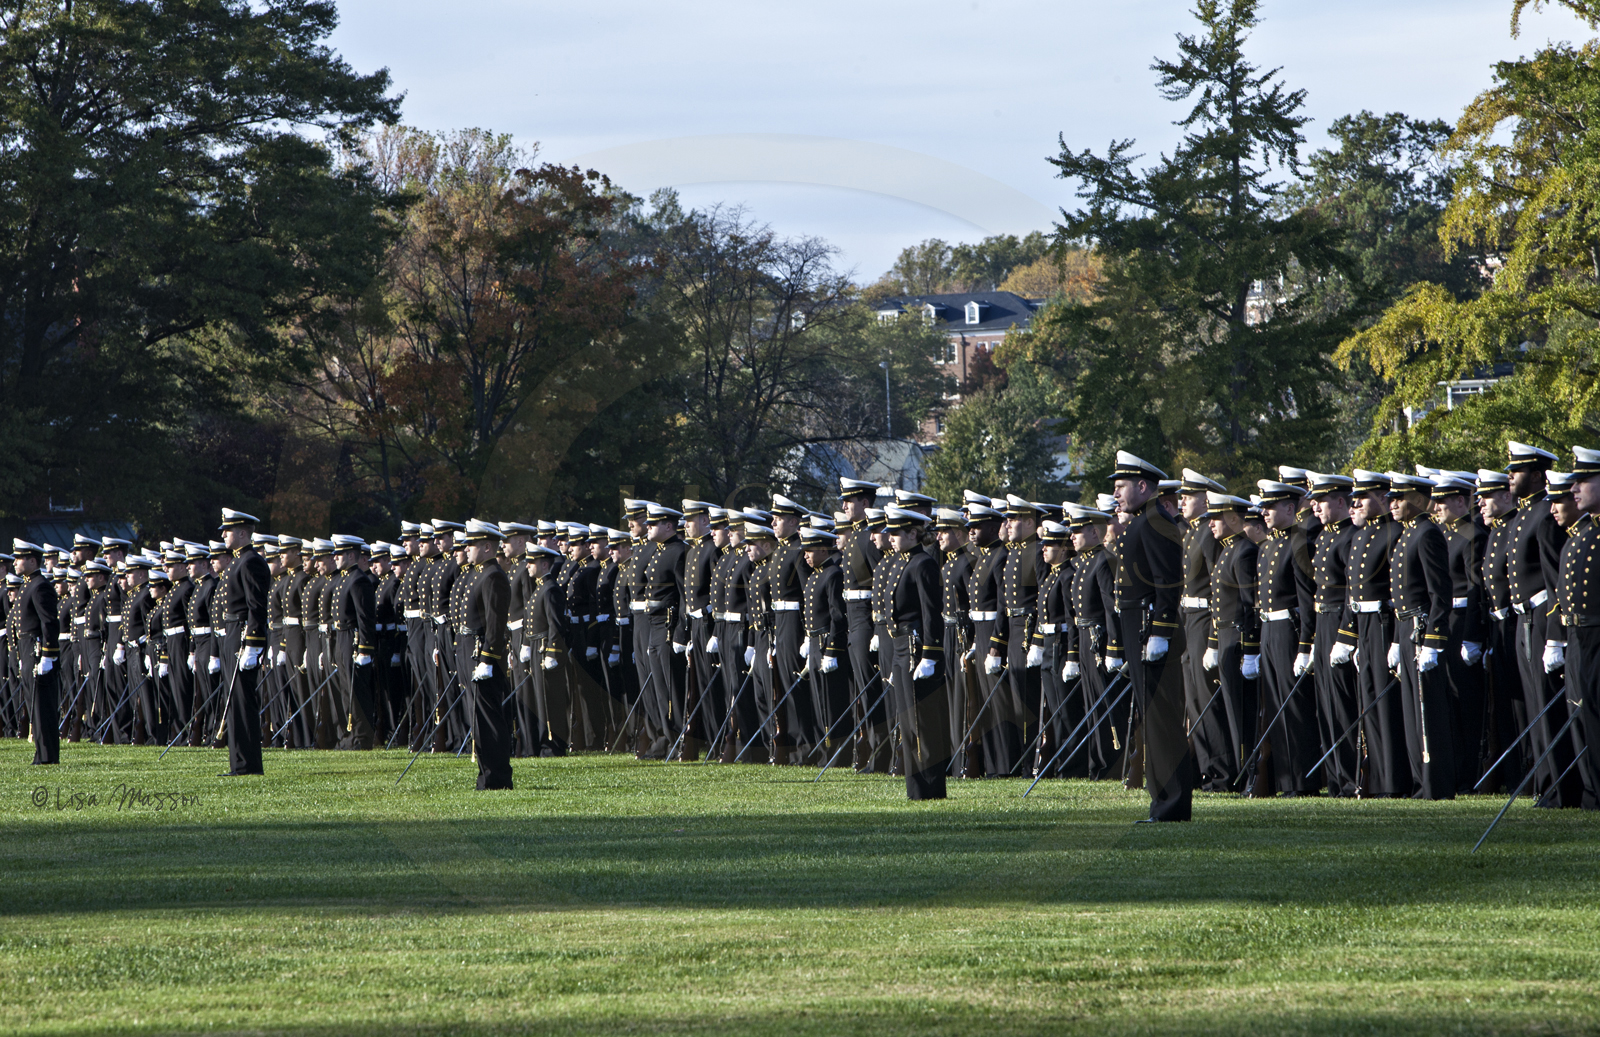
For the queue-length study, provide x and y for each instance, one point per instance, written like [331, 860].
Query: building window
[974, 313]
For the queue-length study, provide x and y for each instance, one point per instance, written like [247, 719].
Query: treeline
[231, 274]
[228, 273]
[1253, 305]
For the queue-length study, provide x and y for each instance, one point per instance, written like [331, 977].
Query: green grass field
[605, 896]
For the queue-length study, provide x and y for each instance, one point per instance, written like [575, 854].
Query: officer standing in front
[244, 586]
[37, 626]
[1149, 578]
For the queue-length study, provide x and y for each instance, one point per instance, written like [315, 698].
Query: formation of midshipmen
[1377, 634]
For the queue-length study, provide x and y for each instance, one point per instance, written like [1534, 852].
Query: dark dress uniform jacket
[482, 608]
[1149, 582]
[1578, 598]
[1420, 593]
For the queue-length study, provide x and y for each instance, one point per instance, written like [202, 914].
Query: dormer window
[974, 312]
[930, 313]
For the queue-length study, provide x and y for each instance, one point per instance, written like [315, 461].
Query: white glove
[190, 661]
[120, 656]
[305, 660]
[1341, 653]
[435, 656]
[678, 649]
[161, 670]
[549, 662]
[1427, 659]
[321, 657]
[1071, 670]
[525, 654]
[483, 671]
[872, 646]
[991, 664]
[805, 648]
[1250, 667]
[1471, 653]
[252, 657]
[394, 660]
[361, 659]
[46, 664]
[1302, 664]
[829, 663]
[1209, 660]
[1394, 657]
[923, 671]
[213, 665]
[711, 645]
[750, 655]
[615, 657]
[1035, 656]
[1555, 656]
[1114, 663]
[592, 652]
[283, 657]
[1155, 649]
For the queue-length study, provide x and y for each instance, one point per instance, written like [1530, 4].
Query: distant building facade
[974, 324]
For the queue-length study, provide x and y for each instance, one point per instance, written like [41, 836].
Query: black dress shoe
[1147, 821]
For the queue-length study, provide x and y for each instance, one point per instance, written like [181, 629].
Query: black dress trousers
[1170, 770]
[923, 711]
[244, 702]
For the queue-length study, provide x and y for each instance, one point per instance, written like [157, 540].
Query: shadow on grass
[938, 1019]
[760, 861]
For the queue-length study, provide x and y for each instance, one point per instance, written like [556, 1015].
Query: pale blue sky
[987, 84]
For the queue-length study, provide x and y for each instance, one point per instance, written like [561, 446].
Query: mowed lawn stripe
[605, 895]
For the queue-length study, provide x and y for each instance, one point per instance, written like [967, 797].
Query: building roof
[997, 311]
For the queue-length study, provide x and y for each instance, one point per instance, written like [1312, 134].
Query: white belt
[413, 613]
[80, 620]
[173, 631]
[322, 628]
[623, 621]
[636, 606]
[659, 603]
[290, 621]
[732, 617]
[1047, 628]
[197, 631]
[1501, 614]
[1275, 616]
[698, 613]
[515, 624]
[1533, 602]
[113, 619]
[1459, 603]
[1367, 606]
[857, 595]
[602, 617]
[1195, 603]
[983, 617]
[786, 606]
